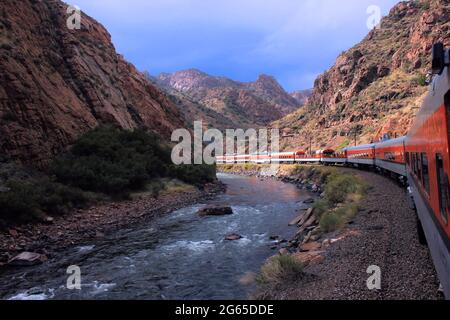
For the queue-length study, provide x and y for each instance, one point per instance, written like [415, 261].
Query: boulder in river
[215, 211]
[27, 259]
[233, 237]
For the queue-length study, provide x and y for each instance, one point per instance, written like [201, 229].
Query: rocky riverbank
[83, 226]
[378, 229]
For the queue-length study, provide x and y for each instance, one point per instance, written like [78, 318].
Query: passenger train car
[422, 157]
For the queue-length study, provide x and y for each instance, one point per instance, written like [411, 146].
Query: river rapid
[176, 256]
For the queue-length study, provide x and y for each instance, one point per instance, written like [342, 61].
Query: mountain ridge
[241, 104]
[58, 83]
[377, 86]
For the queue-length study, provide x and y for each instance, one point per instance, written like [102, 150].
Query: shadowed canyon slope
[225, 103]
[57, 84]
[377, 86]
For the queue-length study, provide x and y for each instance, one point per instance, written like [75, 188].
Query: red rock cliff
[57, 84]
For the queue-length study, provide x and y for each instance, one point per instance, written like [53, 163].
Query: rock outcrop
[301, 96]
[57, 83]
[377, 86]
[232, 104]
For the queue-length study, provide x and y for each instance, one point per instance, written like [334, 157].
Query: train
[421, 159]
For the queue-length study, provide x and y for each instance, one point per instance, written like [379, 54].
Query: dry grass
[279, 269]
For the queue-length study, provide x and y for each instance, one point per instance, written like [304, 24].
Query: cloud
[235, 38]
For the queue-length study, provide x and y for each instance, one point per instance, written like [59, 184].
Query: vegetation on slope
[106, 162]
[377, 86]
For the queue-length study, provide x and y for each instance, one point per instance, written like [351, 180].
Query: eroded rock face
[245, 105]
[377, 86]
[57, 83]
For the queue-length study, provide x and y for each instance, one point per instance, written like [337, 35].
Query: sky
[292, 40]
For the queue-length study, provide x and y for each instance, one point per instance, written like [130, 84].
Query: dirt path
[383, 234]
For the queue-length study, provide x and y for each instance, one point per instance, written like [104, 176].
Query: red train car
[428, 166]
[363, 154]
[390, 156]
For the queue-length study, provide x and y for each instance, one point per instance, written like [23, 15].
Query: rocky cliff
[58, 83]
[377, 86]
[234, 103]
[301, 96]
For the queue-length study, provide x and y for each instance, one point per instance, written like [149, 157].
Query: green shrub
[194, 174]
[116, 162]
[422, 80]
[320, 207]
[331, 221]
[27, 199]
[339, 186]
[278, 269]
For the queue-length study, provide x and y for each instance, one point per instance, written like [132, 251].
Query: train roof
[391, 142]
[360, 147]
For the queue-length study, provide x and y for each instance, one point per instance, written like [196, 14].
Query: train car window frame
[442, 181]
[419, 167]
[425, 172]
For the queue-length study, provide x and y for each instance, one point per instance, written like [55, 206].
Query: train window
[419, 167]
[442, 180]
[414, 163]
[425, 173]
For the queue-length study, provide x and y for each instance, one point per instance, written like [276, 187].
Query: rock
[27, 259]
[296, 220]
[215, 211]
[86, 83]
[322, 195]
[13, 233]
[306, 239]
[233, 237]
[273, 238]
[305, 217]
[315, 188]
[283, 252]
[309, 258]
[308, 201]
[326, 243]
[48, 220]
[309, 223]
[99, 234]
[310, 246]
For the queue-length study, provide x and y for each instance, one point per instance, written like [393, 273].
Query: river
[177, 256]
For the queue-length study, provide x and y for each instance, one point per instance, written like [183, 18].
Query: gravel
[383, 234]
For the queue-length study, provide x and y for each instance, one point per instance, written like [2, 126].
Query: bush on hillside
[24, 200]
[116, 162]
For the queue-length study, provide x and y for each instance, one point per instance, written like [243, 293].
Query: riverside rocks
[296, 220]
[27, 259]
[310, 257]
[86, 225]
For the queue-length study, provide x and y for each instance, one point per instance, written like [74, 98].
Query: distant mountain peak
[247, 103]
